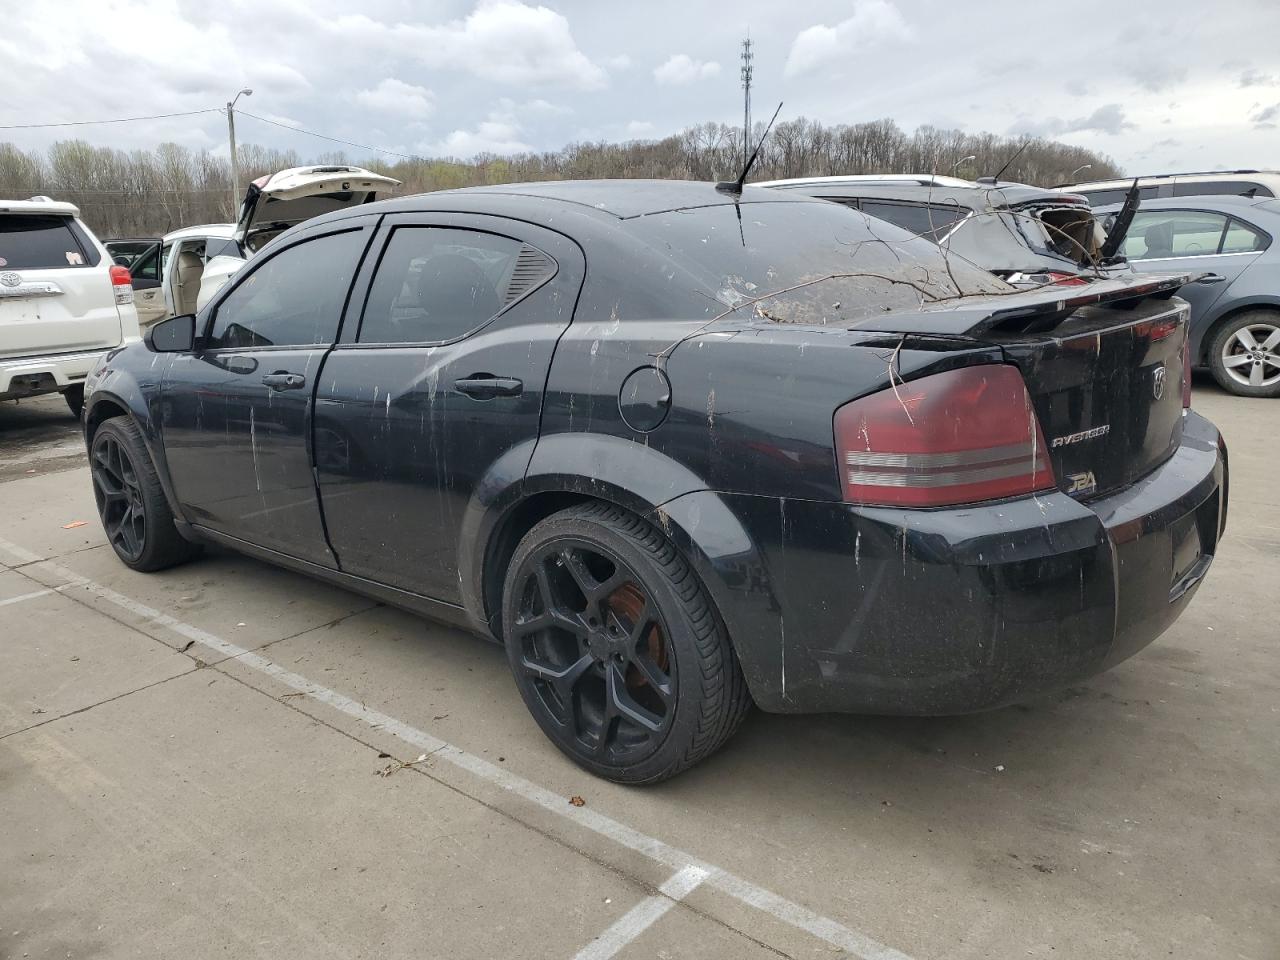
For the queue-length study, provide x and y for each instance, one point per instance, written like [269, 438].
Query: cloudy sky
[1157, 85]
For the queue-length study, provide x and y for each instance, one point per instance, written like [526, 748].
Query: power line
[349, 143]
[83, 123]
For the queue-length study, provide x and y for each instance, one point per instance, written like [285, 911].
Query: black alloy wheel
[615, 647]
[118, 491]
[136, 516]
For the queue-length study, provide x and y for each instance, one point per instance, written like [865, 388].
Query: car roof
[622, 199]
[1199, 176]
[1226, 203]
[963, 192]
[37, 205]
[905, 179]
[221, 231]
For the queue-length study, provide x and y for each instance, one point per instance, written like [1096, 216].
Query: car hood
[276, 202]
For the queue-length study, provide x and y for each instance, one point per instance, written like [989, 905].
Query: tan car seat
[187, 272]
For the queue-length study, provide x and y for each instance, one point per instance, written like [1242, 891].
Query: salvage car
[1228, 242]
[1259, 184]
[181, 271]
[63, 301]
[680, 452]
[1025, 235]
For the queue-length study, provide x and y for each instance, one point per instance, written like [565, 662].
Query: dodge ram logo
[1157, 381]
[10, 279]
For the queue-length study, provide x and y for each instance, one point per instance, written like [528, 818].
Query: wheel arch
[697, 520]
[124, 398]
[1258, 303]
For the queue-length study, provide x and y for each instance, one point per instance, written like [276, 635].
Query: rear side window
[1242, 238]
[437, 284]
[930, 220]
[145, 266]
[295, 299]
[1162, 234]
[39, 243]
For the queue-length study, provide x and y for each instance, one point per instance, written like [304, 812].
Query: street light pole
[231, 135]
[956, 165]
[1083, 166]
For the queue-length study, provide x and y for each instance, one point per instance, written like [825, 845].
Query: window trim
[257, 263]
[390, 232]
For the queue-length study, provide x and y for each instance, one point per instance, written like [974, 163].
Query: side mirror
[175, 335]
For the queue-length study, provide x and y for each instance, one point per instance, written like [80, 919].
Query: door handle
[484, 386]
[1211, 278]
[280, 380]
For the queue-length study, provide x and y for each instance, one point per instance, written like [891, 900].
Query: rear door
[148, 293]
[236, 414]
[1162, 241]
[441, 385]
[55, 292]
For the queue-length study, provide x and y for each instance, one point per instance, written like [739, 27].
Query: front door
[440, 387]
[236, 414]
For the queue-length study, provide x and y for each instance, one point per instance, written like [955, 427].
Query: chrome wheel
[1251, 355]
[592, 646]
[119, 495]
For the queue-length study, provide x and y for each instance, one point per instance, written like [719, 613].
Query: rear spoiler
[1024, 311]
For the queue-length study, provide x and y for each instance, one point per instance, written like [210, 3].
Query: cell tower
[747, 57]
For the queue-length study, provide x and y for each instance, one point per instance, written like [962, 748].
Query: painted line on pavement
[26, 596]
[643, 915]
[824, 928]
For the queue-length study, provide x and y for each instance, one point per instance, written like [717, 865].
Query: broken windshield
[814, 262]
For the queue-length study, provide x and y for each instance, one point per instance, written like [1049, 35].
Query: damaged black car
[681, 450]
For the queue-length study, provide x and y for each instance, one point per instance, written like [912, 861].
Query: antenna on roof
[1017, 153]
[735, 186]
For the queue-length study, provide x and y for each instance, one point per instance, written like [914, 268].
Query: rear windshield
[808, 262]
[39, 243]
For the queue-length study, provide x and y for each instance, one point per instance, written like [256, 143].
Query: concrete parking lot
[207, 762]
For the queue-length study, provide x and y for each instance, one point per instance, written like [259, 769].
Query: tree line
[150, 192]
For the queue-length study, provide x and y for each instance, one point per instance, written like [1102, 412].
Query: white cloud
[502, 40]
[873, 21]
[640, 128]
[489, 136]
[620, 62]
[397, 97]
[1108, 118]
[681, 69]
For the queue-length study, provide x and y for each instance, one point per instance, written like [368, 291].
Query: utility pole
[747, 58]
[231, 134]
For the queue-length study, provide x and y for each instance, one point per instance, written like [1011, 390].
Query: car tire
[131, 504]
[616, 647]
[75, 399]
[1243, 370]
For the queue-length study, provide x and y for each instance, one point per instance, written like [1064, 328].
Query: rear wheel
[615, 647]
[75, 399]
[135, 514]
[1245, 354]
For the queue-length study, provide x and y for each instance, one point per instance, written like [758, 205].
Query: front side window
[293, 299]
[1163, 234]
[437, 284]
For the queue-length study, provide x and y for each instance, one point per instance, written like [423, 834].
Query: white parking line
[643, 915]
[25, 596]
[824, 928]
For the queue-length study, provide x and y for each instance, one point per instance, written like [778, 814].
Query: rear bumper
[872, 610]
[32, 376]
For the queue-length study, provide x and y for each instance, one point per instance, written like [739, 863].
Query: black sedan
[681, 449]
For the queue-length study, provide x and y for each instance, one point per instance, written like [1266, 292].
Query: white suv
[63, 301]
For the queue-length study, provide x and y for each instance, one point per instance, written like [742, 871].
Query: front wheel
[135, 514]
[615, 646]
[1245, 354]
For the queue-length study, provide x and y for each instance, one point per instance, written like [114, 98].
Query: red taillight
[956, 437]
[121, 284]
[1067, 279]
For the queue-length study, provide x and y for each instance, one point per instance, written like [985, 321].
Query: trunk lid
[274, 203]
[1104, 369]
[55, 290]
